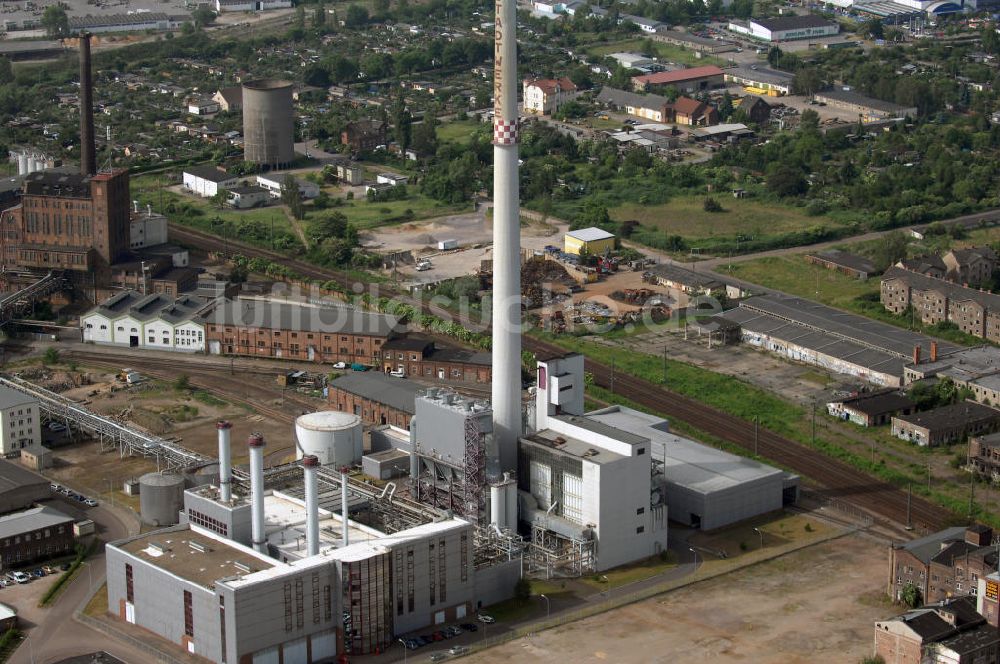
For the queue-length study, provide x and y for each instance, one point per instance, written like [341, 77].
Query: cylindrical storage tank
[268, 123]
[333, 437]
[161, 497]
[498, 505]
[201, 475]
[512, 505]
[33, 164]
[22, 163]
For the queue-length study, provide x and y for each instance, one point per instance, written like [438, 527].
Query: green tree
[809, 121]
[807, 81]
[774, 56]
[726, 106]
[202, 16]
[356, 16]
[220, 199]
[911, 596]
[291, 195]
[785, 180]
[319, 18]
[872, 29]
[55, 21]
[402, 123]
[6, 71]
[51, 356]
[890, 250]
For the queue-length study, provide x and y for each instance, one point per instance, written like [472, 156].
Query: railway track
[838, 480]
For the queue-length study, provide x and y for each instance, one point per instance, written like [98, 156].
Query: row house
[935, 300]
[944, 564]
[417, 357]
[298, 331]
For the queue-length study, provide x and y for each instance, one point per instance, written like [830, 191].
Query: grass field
[459, 131]
[663, 51]
[685, 215]
[364, 214]
[792, 274]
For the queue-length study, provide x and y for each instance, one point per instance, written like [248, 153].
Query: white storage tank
[334, 437]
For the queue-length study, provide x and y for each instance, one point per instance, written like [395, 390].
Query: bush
[182, 383]
[51, 356]
[711, 205]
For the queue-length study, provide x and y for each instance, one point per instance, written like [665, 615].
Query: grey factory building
[844, 343]
[705, 487]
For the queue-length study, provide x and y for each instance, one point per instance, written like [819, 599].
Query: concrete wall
[159, 603]
[721, 508]
[620, 489]
[460, 587]
[262, 615]
[237, 519]
[496, 584]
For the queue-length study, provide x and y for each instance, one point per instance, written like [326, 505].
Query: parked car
[21, 577]
[48, 569]
[398, 373]
[38, 573]
[469, 627]
[457, 650]
[438, 636]
[340, 365]
[411, 644]
[90, 502]
[483, 618]
[454, 630]
[438, 657]
[64, 567]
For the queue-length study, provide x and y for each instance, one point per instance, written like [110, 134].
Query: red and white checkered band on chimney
[504, 132]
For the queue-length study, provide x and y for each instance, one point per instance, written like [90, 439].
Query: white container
[334, 437]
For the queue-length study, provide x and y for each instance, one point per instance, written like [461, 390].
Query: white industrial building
[133, 320]
[705, 487]
[147, 230]
[787, 28]
[208, 181]
[20, 423]
[274, 183]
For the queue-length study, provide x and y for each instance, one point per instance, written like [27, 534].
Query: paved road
[57, 636]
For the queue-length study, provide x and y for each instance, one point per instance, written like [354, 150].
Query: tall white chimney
[256, 445]
[506, 396]
[310, 464]
[225, 461]
[344, 512]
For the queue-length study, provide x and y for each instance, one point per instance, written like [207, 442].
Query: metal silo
[333, 437]
[161, 497]
[268, 123]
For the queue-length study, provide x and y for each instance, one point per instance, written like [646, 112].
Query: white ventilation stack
[344, 512]
[506, 394]
[310, 465]
[256, 445]
[225, 461]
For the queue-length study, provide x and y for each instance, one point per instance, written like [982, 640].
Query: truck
[447, 245]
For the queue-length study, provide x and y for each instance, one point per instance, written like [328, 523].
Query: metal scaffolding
[111, 434]
[551, 554]
[474, 479]
[14, 304]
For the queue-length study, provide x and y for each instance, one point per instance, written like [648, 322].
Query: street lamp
[547, 611]
[31, 649]
[404, 649]
[691, 549]
[90, 574]
[759, 532]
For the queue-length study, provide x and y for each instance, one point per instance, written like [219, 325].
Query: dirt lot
[768, 613]
[474, 232]
[163, 411]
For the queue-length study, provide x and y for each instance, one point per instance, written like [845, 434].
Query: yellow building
[594, 241]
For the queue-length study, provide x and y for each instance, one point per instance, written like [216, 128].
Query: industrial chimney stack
[506, 393]
[310, 464]
[225, 461]
[257, 534]
[88, 151]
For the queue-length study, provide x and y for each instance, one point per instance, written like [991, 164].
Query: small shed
[36, 457]
[386, 465]
[594, 241]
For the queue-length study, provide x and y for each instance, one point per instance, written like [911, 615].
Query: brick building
[363, 135]
[948, 563]
[297, 331]
[936, 300]
[34, 534]
[871, 409]
[946, 425]
[949, 632]
[68, 221]
[984, 455]
[416, 356]
[375, 397]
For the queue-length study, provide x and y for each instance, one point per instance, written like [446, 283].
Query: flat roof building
[786, 28]
[705, 487]
[19, 487]
[868, 108]
[594, 241]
